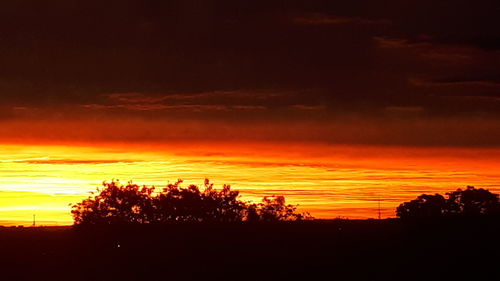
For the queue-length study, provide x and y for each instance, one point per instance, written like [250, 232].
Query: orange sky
[332, 104]
[326, 180]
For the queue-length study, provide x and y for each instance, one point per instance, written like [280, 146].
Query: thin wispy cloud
[327, 19]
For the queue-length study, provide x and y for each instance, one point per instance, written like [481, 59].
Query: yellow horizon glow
[326, 180]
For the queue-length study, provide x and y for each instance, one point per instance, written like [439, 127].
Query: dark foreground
[338, 250]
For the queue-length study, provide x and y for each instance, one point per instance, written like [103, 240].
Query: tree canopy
[459, 203]
[134, 204]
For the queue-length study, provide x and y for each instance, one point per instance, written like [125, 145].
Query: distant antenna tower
[379, 215]
[34, 220]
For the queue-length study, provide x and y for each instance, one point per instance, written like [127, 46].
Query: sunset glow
[328, 181]
[338, 106]
[249, 140]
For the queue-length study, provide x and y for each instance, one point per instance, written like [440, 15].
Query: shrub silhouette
[134, 204]
[460, 203]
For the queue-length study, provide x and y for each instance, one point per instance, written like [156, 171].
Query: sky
[328, 181]
[406, 74]
[384, 72]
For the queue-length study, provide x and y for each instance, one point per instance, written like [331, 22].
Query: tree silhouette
[273, 208]
[460, 203]
[473, 202]
[192, 205]
[133, 204]
[116, 204]
[425, 206]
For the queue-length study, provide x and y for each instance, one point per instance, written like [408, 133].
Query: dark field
[319, 250]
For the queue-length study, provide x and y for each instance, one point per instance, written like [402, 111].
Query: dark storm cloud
[261, 61]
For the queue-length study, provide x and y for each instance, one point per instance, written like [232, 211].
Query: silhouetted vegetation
[134, 204]
[140, 243]
[470, 202]
[273, 209]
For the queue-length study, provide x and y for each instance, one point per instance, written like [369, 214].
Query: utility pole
[34, 221]
[379, 215]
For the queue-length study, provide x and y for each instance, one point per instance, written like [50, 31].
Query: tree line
[134, 204]
[469, 202]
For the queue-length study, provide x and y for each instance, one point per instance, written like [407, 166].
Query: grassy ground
[319, 250]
